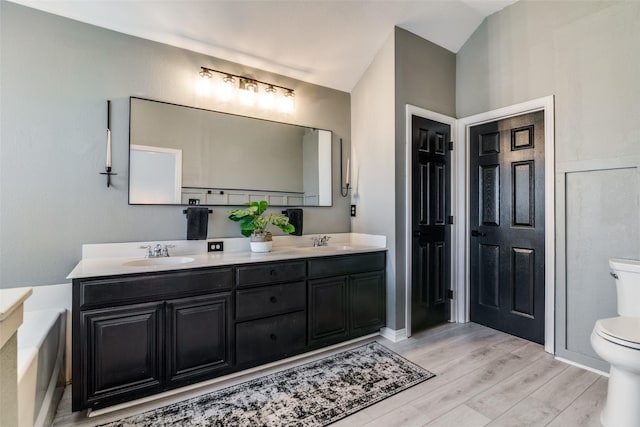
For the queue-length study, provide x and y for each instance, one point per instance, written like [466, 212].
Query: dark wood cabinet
[122, 353]
[264, 301]
[346, 306]
[272, 272]
[271, 312]
[198, 337]
[367, 310]
[271, 338]
[328, 310]
[139, 334]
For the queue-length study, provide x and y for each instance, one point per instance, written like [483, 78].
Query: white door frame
[412, 110]
[460, 182]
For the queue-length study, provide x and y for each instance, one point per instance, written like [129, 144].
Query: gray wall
[587, 55]
[56, 75]
[425, 78]
[372, 159]
[406, 70]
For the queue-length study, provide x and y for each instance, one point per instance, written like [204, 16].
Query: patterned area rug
[314, 394]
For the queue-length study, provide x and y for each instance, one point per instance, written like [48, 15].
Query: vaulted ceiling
[326, 42]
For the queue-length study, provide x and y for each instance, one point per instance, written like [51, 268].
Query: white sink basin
[330, 248]
[158, 261]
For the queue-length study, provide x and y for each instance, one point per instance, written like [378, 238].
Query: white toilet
[617, 341]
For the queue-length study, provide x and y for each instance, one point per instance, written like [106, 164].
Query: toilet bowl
[617, 341]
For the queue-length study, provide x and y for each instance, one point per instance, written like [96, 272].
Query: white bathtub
[41, 350]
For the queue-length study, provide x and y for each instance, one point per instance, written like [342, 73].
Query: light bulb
[268, 98]
[226, 88]
[287, 103]
[247, 92]
[203, 82]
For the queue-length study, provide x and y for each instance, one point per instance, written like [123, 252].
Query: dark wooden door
[328, 307]
[198, 336]
[366, 303]
[507, 225]
[431, 204]
[123, 352]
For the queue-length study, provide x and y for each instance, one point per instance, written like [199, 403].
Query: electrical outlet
[353, 210]
[215, 246]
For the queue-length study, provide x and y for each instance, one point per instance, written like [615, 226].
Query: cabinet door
[328, 310]
[198, 335]
[367, 303]
[122, 353]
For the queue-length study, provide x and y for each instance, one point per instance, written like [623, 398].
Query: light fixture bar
[206, 72]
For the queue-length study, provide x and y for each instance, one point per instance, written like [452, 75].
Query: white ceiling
[326, 42]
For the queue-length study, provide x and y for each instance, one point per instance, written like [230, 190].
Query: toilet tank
[627, 285]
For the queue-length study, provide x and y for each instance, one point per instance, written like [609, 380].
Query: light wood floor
[484, 378]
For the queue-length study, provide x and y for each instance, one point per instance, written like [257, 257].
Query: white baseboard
[394, 335]
[580, 365]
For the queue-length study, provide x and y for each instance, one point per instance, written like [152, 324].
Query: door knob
[476, 233]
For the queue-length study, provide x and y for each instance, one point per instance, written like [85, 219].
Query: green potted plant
[253, 223]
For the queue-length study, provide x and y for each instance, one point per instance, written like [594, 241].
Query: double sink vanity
[142, 326]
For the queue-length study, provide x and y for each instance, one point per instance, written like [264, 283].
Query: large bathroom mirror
[190, 156]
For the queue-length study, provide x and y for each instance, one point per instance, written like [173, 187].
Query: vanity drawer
[346, 264]
[269, 300]
[260, 340]
[152, 287]
[263, 274]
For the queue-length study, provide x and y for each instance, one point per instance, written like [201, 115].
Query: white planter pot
[261, 246]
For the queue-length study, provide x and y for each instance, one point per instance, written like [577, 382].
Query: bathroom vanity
[140, 333]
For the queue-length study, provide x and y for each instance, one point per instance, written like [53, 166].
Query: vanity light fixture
[248, 90]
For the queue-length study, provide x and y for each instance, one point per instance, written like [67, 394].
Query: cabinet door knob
[273, 337]
[273, 299]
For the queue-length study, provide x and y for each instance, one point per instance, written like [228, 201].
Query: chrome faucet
[157, 251]
[320, 241]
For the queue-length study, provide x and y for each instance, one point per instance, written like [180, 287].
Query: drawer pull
[273, 272]
[273, 337]
[273, 300]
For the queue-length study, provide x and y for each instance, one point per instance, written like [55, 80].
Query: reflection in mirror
[185, 155]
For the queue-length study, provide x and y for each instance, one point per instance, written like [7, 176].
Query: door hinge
[449, 293]
[450, 145]
[450, 219]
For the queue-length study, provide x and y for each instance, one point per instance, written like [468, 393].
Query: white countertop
[236, 252]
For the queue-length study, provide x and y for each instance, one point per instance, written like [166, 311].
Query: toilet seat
[620, 330]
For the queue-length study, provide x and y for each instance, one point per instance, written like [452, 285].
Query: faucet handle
[165, 250]
[148, 248]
